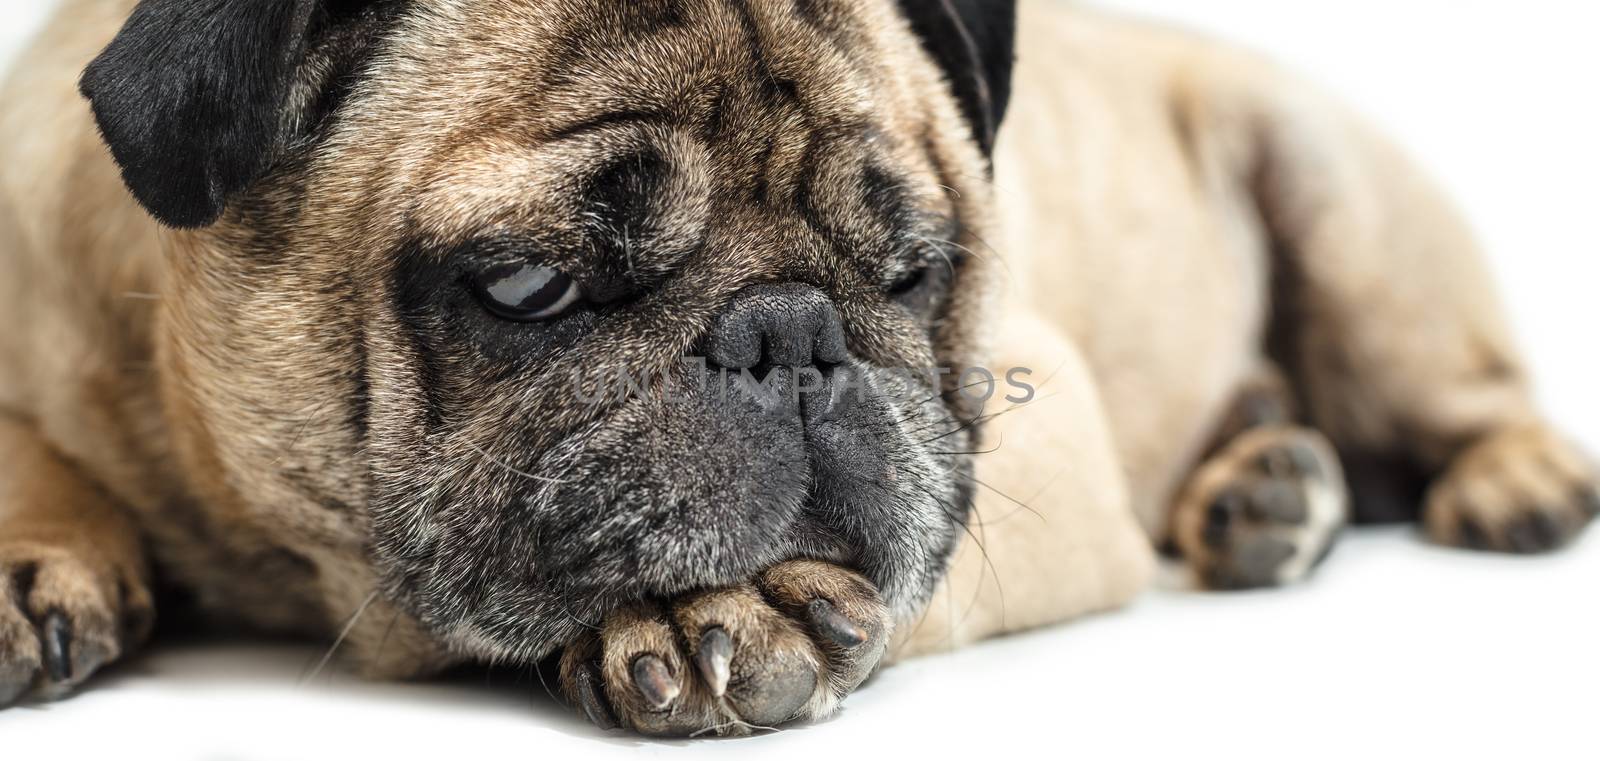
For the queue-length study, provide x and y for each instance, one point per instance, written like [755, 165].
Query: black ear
[190, 97]
[974, 41]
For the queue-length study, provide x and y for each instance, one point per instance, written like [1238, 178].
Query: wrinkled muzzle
[774, 445]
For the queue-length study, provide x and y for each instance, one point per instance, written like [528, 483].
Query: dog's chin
[668, 496]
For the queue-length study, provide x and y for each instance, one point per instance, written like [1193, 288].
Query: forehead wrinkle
[655, 74]
[573, 62]
[787, 49]
[687, 62]
[469, 187]
[500, 186]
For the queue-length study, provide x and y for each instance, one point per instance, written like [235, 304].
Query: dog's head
[442, 262]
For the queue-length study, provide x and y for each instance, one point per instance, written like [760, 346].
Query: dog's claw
[57, 642]
[655, 682]
[714, 658]
[1590, 502]
[834, 625]
[1473, 537]
[592, 700]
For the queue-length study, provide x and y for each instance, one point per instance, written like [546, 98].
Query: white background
[1397, 649]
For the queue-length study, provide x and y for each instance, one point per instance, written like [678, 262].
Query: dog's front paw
[1524, 491]
[62, 619]
[787, 647]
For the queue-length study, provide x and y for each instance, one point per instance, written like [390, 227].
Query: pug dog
[311, 307]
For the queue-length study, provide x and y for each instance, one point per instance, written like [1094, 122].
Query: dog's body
[1167, 218]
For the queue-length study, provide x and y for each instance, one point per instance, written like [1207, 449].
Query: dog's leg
[1266, 506]
[74, 584]
[1389, 326]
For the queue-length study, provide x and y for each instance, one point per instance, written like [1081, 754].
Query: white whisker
[511, 470]
[343, 634]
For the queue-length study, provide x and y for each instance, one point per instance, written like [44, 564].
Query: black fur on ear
[191, 98]
[974, 41]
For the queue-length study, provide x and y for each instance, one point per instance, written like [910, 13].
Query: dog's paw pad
[1525, 491]
[61, 620]
[1264, 511]
[729, 661]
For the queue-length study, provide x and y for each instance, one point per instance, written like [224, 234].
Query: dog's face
[453, 255]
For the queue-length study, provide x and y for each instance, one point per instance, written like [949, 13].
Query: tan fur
[1133, 176]
[196, 442]
[69, 553]
[1141, 183]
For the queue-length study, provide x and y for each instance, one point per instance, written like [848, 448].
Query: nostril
[735, 343]
[830, 347]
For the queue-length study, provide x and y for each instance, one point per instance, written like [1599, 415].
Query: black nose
[787, 325]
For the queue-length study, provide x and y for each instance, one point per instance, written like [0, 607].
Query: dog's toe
[757, 662]
[20, 660]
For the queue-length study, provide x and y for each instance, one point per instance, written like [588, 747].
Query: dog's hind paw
[1524, 491]
[1264, 511]
[785, 648]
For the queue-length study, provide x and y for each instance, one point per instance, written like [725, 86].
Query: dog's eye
[910, 282]
[526, 292]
